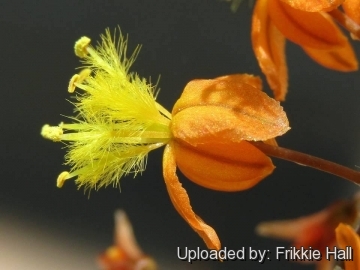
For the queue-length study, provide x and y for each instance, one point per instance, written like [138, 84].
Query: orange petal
[340, 59]
[181, 202]
[254, 81]
[310, 29]
[228, 110]
[352, 9]
[314, 5]
[269, 47]
[124, 236]
[221, 166]
[346, 236]
[290, 229]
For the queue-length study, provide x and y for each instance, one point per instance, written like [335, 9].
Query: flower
[119, 122]
[346, 236]
[306, 24]
[317, 230]
[125, 254]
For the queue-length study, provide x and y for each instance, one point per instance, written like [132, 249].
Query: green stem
[308, 160]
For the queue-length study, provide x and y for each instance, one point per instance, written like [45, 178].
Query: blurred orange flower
[125, 254]
[317, 230]
[346, 236]
[307, 24]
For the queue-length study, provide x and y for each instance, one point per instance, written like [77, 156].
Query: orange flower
[317, 230]
[125, 254]
[346, 236]
[119, 123]
[306, 24]
[211, 123]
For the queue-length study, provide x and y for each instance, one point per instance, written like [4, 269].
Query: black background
[43, 227]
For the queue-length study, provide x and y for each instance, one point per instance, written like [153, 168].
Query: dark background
[43, 227]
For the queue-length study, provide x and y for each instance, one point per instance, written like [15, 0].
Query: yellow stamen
[118, 120]
[78, 78]
[81, 47]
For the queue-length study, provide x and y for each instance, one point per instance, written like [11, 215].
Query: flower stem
[308, 160]
[346, 22]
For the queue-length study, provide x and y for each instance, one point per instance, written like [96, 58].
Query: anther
[61, 179]
[73, 80]
[52, 133]
[81, 45]
[78, 78]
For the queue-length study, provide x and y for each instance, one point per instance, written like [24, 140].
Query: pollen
[81, 47]
[52, 133]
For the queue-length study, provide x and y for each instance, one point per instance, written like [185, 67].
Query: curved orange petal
[254, 81]
[221, 166]
[352, 9]
[291, 229]
[310, 29]
[181, 202]
[269, 48]
[346, 236]
[340, 59]
[226, 109]
[314, 5]
[124, 236]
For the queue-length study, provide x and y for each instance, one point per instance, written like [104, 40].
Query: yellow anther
[52, 133]
[72, 82]
[78, 78]
[61, 179]
[84, 74]
[81, 45]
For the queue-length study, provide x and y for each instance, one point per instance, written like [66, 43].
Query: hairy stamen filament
[102, 163]
[127, 137]
[163, 111]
